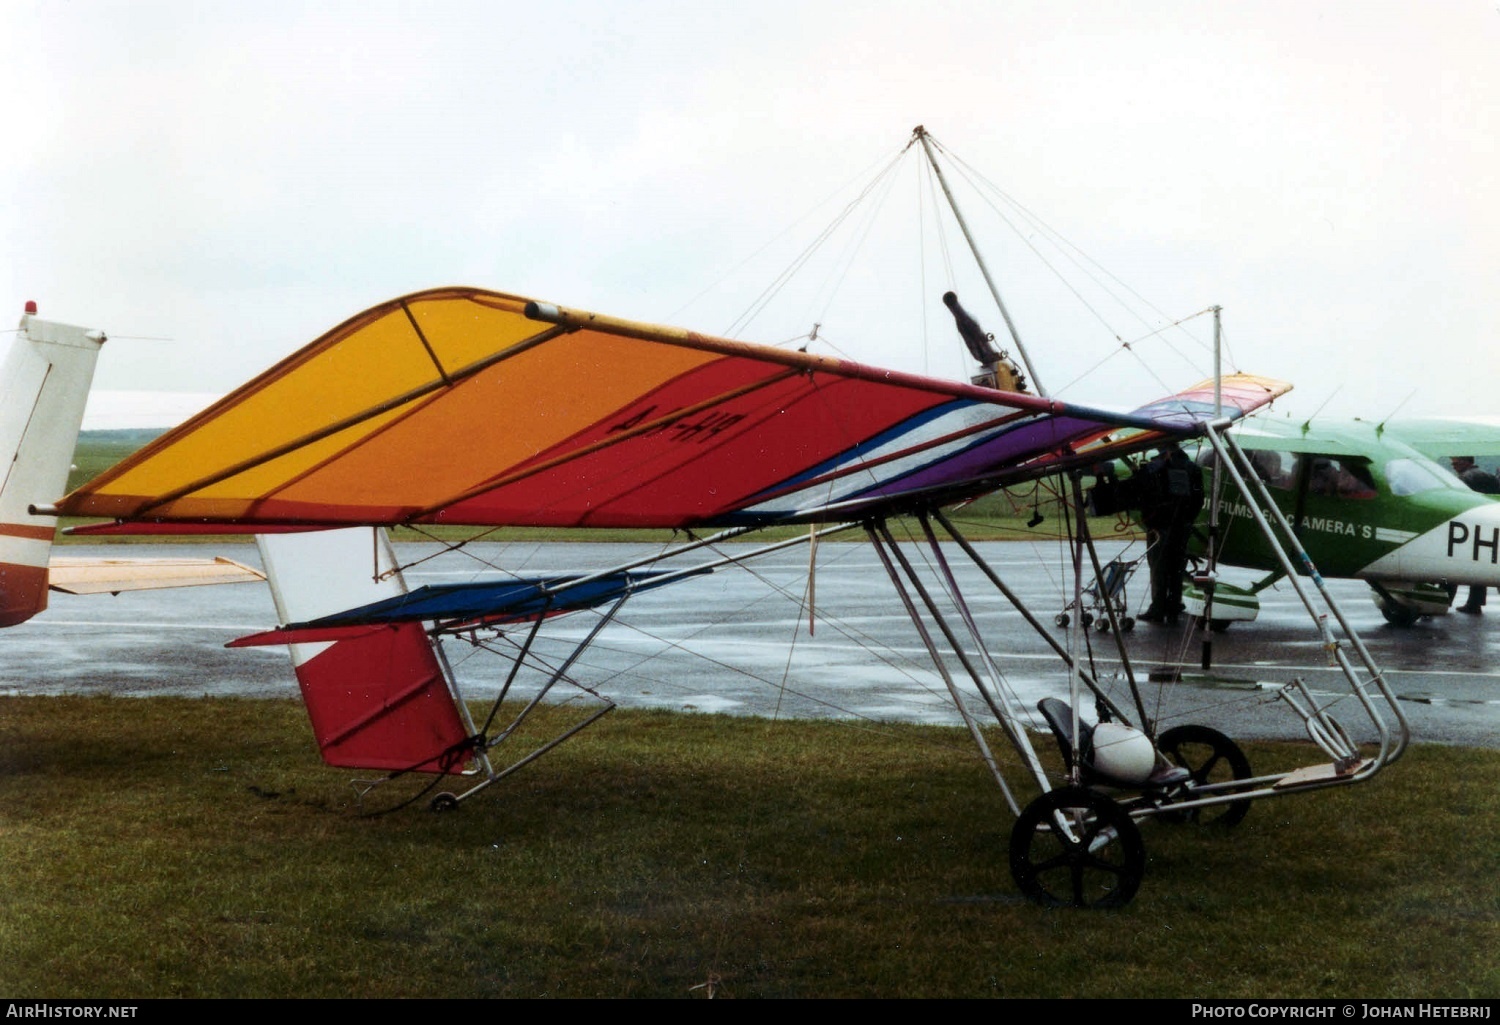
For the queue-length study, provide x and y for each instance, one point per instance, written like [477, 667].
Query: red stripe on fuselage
[23, 592]
[28, 531]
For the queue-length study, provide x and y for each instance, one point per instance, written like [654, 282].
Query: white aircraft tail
[44, 386]
[378, 699]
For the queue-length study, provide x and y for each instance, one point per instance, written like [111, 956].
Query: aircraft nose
[1471, 543]
[1464, 549]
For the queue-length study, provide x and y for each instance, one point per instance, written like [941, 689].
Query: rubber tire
[1054, 870]
[1207, 754]
[1399, 615]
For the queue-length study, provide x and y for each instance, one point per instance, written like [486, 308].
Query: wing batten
[417, 328]
[390, 405]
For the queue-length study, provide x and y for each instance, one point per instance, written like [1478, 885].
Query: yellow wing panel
[329, 427]
[463, 329]
[345, 387]
[513, 412]
[384, 359]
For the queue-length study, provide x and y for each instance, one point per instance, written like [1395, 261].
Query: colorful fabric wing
[485, 601]
[470, 407]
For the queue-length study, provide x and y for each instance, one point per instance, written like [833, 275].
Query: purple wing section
[966, 448]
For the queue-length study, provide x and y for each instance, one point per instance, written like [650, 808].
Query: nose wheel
[1074, 848]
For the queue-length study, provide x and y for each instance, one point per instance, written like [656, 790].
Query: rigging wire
[1108, 283]
[446, 546]
[759, 304]
[856, 243]
[1128, 347]
[1086, 264]
[859, 176]
[928, 198]
[683, 645]
[945, 249]
[1010, 695]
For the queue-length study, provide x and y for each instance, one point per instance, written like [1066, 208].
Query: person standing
[1486, 484]
[1171, 497]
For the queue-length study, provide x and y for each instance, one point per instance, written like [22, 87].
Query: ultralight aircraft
[571, 418]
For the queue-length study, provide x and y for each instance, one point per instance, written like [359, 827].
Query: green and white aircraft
[1368, 501]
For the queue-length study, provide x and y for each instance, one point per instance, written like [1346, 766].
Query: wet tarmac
[737, 641]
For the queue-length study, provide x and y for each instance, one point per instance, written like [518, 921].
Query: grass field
[197, 848]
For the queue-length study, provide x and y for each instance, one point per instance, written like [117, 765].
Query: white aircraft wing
[101, 576]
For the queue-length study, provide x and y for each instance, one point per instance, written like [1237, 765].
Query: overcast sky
[217, 184]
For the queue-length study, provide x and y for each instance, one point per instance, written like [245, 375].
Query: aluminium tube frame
[1240, 470]
[491, 775]
[1347, 768]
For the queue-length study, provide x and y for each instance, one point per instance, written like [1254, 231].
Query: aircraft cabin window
[1276, 469]
[1271, 468]
[1409, 477]
[1340, 478]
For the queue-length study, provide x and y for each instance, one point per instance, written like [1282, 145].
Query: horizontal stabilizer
[111, 576]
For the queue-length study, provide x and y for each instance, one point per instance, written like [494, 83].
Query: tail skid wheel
[1075, 848]
[1212, 758]
[444, 802]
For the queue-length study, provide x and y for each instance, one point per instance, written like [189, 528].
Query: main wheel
[1075, 848]
[1212, 758]
[1399, 615]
